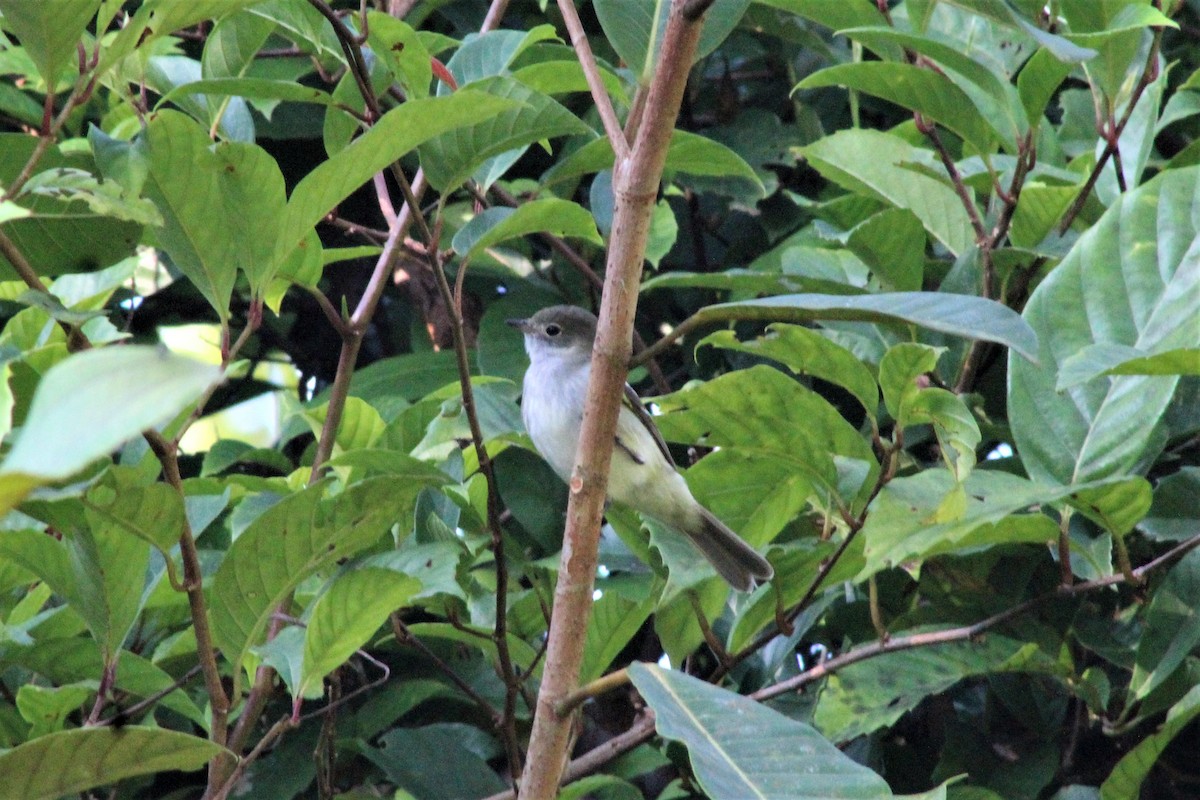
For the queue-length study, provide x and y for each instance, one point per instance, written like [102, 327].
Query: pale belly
[639, 476]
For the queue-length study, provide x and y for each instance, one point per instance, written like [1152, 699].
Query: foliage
[923, 307]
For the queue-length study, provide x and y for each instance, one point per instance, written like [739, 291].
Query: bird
[642, 473]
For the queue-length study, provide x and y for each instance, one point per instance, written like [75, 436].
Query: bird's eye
[553, 329]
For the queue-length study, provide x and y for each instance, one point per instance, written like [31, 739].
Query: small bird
[642, 474]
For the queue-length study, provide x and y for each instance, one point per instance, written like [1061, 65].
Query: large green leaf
[872, 163]
[990, 91]
[290, 541]
[1125, 781]
[394, 134]
[831, 13]
[688, 153]
[910, 517]
[88, 405]
[346, 616]
[763, 410]
[615, 619]
[1145, 299]
[221, 206]
[75, 761]
[635, 29]
[918, 89]
[871, 694]
[958, 315]
[49, 31]
[551, 215]
[741, 749]
[807, 352]
[1172, 627]
[1098, 360]
[527, 117]
[56, 235]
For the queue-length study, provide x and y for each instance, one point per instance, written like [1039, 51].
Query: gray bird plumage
[642, 474]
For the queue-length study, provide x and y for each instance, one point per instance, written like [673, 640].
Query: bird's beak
[520, 324]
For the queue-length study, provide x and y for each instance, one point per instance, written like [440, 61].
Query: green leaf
[1099, 360]
[1172, 627]
[443, 760]
[991, 94]
[635, 29]
[688, 153]
[741, 749]
[614, 621]
[359, 428]
[49, 31]
[400, 47]
[221, 205]
[1174, 515]
[46, 708]
[489, 54]
[122, 500]
[251, 89]
[346, 616]
[395, 133]
[907, 518]
[86, 406]
[59, 237]
[87, 758]
[754, 493]
[1107, 426]
[106, 199]
[899, 370]
[1125, 781]
[1039, 79]
[918, 89]
[762, 410]
[1115, 506]
[806, 352]
[1038, 211]
[550, 215]
[526, 117]
[299, 535]
[872, 694]
[830, 13]
[957, 315]
[871, 163]
[892, 244]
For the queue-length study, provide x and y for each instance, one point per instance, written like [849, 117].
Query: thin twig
[643, 730]
[149, 702]
[604, 107]
[1112, 141]
[405, 636]
[589, 690]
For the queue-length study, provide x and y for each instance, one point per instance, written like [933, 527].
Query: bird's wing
[634, 404]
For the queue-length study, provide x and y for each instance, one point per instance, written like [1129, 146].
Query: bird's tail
[734, 560]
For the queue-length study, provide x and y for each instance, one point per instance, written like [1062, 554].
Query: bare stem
[1112, 141]
[583, 51]
[635, 184]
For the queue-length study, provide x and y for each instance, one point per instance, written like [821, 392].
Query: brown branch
[405, 636]
[125, 714]
[643, 730]
[635, 185]
[1112, 140]
[500, 634]
[960, 188]
[193, 580]
[604, 107]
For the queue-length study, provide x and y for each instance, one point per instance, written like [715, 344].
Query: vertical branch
[635, 185]
[612, 126]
